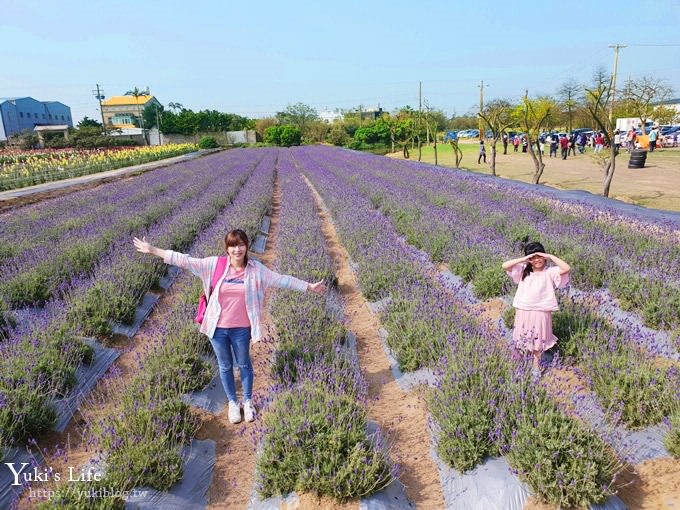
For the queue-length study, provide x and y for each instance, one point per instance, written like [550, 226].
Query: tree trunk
[392, 140]
[538, 162]
[406, 153]
[420, 149]
[493, 157]
[609, 167]
[435, 151]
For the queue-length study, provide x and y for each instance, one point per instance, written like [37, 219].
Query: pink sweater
[258, 278]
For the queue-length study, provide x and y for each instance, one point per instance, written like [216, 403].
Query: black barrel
[637, 159]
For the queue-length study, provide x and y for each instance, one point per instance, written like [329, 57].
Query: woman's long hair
[528, 250]
[234, 238]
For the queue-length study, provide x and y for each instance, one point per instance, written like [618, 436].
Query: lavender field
[426, 246]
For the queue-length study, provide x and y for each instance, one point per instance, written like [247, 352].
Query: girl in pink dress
[535, 299]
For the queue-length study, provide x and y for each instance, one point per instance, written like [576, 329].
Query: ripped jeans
[224, 341]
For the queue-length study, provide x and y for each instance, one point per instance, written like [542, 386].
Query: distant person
[525, 143]
[554, 141]
[482, 152]
[234, 310]
[653, 136]
[630, 139]
[599, 142]
[572, 144]
[564, 145]
[535, 300]
[505, 143]
[515, 143]
[617, 141]
[582, 141]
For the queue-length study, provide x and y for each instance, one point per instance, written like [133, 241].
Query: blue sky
[254, 58]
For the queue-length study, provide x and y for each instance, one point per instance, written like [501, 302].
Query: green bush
[564, 463]
[317, 442]
[207, 142]
[672, 439]
[286, 135]
[491, 281]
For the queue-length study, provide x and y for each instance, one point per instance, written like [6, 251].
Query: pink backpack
[203, 300]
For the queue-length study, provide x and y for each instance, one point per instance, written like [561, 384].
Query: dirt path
[401, 415]
[236, 448]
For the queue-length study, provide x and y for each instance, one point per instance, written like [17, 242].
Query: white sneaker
[249, 410]
[234, 412]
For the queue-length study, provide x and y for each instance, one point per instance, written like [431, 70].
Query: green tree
[533, 116]
[290, 135]
[497, 116]
[87, 122]
[337, 134]
[299, 115]
[137, 93]
[598, 99]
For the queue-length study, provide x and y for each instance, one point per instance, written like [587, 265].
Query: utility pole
[420, 112]
[481, 109]
[99, 94]
[613, 92]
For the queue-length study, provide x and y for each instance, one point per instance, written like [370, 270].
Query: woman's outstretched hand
[317, 288]
[142, 245]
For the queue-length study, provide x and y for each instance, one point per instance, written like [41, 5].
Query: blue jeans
[224, 341]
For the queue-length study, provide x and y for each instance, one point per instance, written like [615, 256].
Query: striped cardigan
[258, 278]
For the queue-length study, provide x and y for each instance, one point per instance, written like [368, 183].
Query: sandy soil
[657, 185]
[403, 416]
[233, 477]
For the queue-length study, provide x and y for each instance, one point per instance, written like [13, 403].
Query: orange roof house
[124, 111]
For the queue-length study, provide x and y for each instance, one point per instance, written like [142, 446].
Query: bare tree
[533, 115]
[497, 115]
[568, 95]
[644, 96]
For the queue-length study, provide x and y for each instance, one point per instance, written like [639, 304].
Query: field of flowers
[19, 169]
[67, 270]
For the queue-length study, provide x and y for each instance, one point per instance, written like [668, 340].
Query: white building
[329, 117]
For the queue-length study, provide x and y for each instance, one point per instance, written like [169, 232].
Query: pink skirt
[533, 330]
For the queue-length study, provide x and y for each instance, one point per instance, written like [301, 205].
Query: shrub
[672, 439]
[563, 462]
[317, 442]
[207, 142]
[490, 281]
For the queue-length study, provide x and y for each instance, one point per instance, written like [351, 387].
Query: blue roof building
[18, 114]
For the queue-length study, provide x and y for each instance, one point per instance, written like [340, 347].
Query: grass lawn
[657, 185]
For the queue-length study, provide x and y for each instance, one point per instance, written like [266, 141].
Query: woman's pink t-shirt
[232, 298]
[537, 291]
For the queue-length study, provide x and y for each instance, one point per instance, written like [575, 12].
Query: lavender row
[41, 354]
[54, 217]
[33, 276]
[319, 397]
[151, 411]
[619, 373]
[483, 403]
[473, 223]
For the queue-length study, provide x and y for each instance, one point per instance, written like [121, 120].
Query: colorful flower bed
[26, 168]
